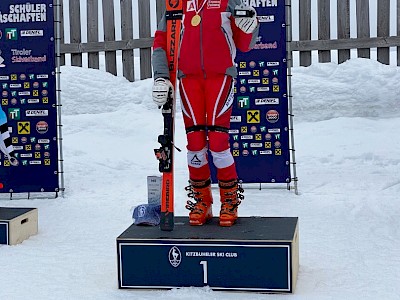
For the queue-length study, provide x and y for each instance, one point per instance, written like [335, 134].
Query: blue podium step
[257, 254]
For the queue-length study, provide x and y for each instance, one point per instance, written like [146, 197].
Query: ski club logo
[173, 3]
[272, 116]
[175, 256]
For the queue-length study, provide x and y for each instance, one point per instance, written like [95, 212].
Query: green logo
[11, 34]
[243, 102]
[14, 113]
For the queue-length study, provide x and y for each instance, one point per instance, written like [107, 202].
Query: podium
[257, 254]
[17, 224]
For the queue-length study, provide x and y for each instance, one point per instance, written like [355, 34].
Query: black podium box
[17, 224]
[256, 254]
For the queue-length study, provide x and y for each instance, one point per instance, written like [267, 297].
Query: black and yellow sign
[24, 127]
[253, 116]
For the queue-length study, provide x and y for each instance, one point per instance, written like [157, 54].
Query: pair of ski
[165, 154]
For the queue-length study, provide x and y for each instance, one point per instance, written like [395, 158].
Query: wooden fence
[305, 45]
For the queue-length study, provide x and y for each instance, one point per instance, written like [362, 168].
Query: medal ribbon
[202, 5]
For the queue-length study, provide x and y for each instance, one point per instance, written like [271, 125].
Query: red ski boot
[231, 193]
[201, 208]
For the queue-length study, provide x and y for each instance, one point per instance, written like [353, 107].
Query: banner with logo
[259, 134]
[28, 95]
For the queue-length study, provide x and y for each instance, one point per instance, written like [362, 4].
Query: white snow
[347, 119]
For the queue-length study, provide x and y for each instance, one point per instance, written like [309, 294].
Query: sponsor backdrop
[259, 134]
[28, 95]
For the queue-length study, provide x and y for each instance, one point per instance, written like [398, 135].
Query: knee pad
[222, 159]
[197, 159]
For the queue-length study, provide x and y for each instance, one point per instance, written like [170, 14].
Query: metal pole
[289, 86]
[58, 89]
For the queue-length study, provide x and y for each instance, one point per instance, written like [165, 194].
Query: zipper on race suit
[201, 46]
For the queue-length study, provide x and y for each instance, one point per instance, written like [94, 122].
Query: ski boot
[201, 207]
[231, 193]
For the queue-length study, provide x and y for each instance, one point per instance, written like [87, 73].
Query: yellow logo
[28, 147]
[37, 154]
[242, 64]
[14, 77]
[258, 137]
[4, 101]
[35, 93]
[24, 127]
[268, 144]
[47, 162]
[253, 116]
[236, 152]
[6, 163]
[256, 73]
[265, 81]
[275, 88]
[15, 140]
[278, 151]
[243, 129]
[45, 100]
[27, 85]
[234, 90]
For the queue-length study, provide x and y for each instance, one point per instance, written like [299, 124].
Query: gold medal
[195, 20]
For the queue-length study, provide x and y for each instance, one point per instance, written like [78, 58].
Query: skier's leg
[194, 115]
[219, 109]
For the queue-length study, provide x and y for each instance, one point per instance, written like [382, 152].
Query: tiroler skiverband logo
[175, 256]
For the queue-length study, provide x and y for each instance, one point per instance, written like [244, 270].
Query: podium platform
[257, 254]
[17, 224]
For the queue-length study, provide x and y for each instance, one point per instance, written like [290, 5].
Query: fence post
[144, 32]
[93, 31]
[305, 30]
[109, 35]
[127, 34]
[160, 8]
[363, 27]
[343, 27]
[383, 29]
[324, 28]
[75, 30]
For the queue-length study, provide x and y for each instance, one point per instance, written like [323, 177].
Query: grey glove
[246, 24]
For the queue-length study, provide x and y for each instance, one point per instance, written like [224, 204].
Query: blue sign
[28, 95]
[229, 266]
[259, 134]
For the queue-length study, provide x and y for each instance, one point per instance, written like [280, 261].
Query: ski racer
[206, 70]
